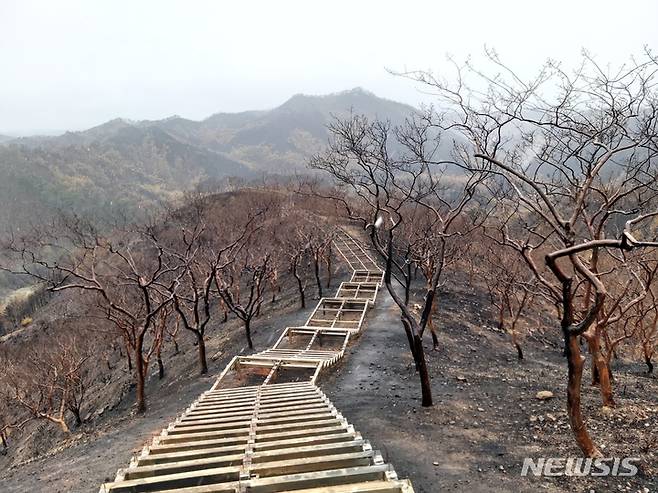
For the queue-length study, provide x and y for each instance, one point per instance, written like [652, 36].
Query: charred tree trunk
[3, 441]
[201, 347]
[77, 416]
[407, 286]
[161, 368]
[648, 356]
[410, 340]
[430, 325]
[139, 379]
[501, 316]
[412, 329]
[318, 280]
[435, 338]
[329, 273]
[575, 361]
[158, 359]
[300, 286]
[302, 297]
[418, 353]
[423, 373]
[600, 368]
[247, 329]
[519, 351]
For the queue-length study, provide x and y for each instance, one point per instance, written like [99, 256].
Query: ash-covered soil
[92, 454]
[486, 418]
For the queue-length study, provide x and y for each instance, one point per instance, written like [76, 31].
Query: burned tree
[317, 245]
[571, 159]
[295, 266]
[510, 291]
[242, 284]
[396, 177]
[49, 381]
[645, 318]
[203, 257]
[627, 282]
[130, 276]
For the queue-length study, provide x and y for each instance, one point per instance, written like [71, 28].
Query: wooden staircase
[280, 434]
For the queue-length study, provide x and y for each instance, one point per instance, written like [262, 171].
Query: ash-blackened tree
[47, 381]
[303, 246]
[317, 244]
[130, 276]
[296, 250]
[647, 329]
[396, 177]
[431, 252]
[158, 335]
[204, 247]
[627, 281]
[10, 420]
[644, 315]
[511, 289]
[572, 156]
[242, 285]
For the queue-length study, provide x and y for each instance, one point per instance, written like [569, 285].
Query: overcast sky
[74, 64]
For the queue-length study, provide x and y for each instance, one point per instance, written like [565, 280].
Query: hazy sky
[74, 64]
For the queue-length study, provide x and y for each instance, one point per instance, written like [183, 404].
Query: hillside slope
[484, 422]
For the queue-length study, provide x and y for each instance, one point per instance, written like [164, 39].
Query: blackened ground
[93, 453]
[486, 418]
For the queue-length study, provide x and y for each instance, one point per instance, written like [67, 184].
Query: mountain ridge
[131, 165]
[300, 100]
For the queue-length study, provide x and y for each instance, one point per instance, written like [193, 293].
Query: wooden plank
[311, 450]
[293, 482]
[275, 412]
[309, 464]
[367, 487]
[317, 479]
[228, 462]
[268, 460]
[270, 393]
[312, 465]
[180, 428]
[287, 397]
[280, 396]
[161, 458]
[307, 441]
[181, 446]
[329, 430]
[227, 435]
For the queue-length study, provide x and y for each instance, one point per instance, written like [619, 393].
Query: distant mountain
[5, 138]
[125, 164]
